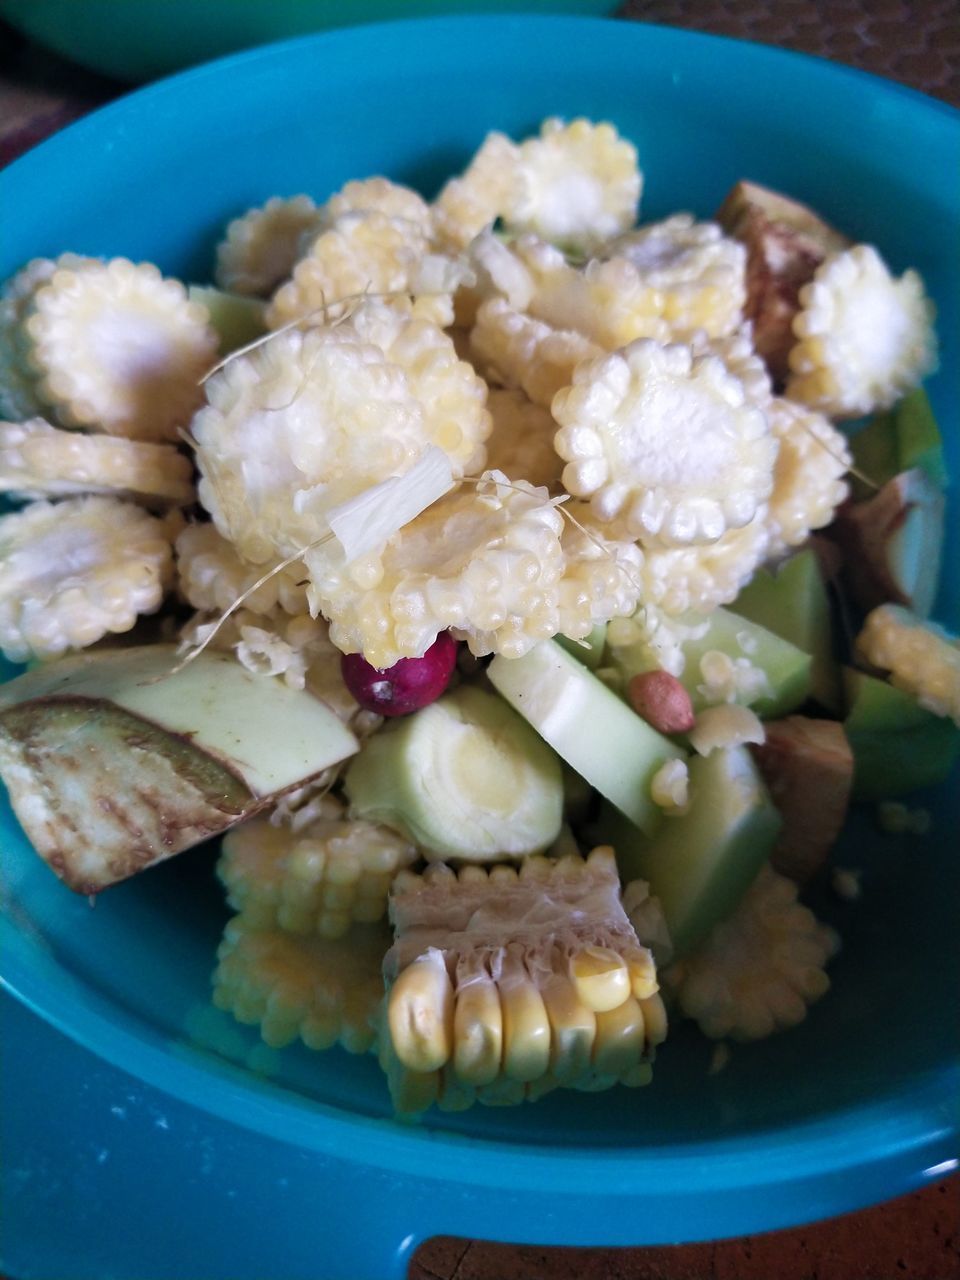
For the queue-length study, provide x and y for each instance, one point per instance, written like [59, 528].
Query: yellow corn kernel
[643, 973]
[620, 1038]
[655, 1020]
[420, 1013]
[477, 1030]
[573, 1028]
[526, 1027]
[601, 978]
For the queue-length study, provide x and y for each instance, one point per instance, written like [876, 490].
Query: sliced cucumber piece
[597, 734]
[701, 863]
[787, 668]
[897, 440]
[897, 745]
[792, 602]
[111, 768]
[463, 778]
[589, 650]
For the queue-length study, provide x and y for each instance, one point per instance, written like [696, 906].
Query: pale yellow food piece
[18, 393]
[211, 574]
[315, 879]
[864, 338]
[758, 971]
[38, 460]
[578, 184]
[678, 580]
[473, 201]
[379, 195]
[515, 350]
[310, 419]
[74, 571]
[808, 475]
[324, 991]
[511, 983]
[118, 347]
[611, 302]
[699, 272]
[260, 248]
[365, 252]
[485, 560]
[665, 443]
[521, 443]
[921, 657]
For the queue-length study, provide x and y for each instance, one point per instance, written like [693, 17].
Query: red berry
[408, 685]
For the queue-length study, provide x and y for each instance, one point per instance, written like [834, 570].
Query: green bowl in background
[143, 39]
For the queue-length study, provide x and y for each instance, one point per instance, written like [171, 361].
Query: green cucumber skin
[898, 746]
[395, 781]
[787, 667]
[792, 603]
[897, 440]
[701, 863]
[594, 731]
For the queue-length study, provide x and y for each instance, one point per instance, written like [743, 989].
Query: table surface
[918, 1235]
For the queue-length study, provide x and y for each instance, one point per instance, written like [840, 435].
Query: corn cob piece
[521, 444]
[260, 248]
[519, 351]
[38, 460]
[19, 398]
[379, 195]
[75, 571]
[320, 990]
[699, 272]
[317, 879]
[921, 657]
[118, 347]
[808, 475]
[611, 302]
[633, 422]
[864, 338]
[509, 983]
[211, 574]
[473, 201]
[578, 184]
[348, 406]
[758, 970]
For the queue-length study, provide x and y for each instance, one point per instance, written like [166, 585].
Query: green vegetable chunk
[792, 602]
[596, 733]
[898, 440]
[897, 745]
[464, 778]
[700, 863]
[113, 764]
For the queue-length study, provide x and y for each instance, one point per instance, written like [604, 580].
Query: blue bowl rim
[915, 1137]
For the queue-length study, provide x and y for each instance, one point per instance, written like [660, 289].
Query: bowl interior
[158, 175]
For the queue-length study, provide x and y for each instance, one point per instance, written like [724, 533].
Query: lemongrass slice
[260, 248]
[864, 338]
[38, 460]
[118, 347]
[666, 442]
[74, 571]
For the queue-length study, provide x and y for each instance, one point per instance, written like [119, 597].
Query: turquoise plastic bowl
[301, 1171]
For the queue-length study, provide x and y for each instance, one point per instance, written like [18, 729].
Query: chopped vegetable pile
[504, 578]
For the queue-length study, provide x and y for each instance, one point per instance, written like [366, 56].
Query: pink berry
[408, 685]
